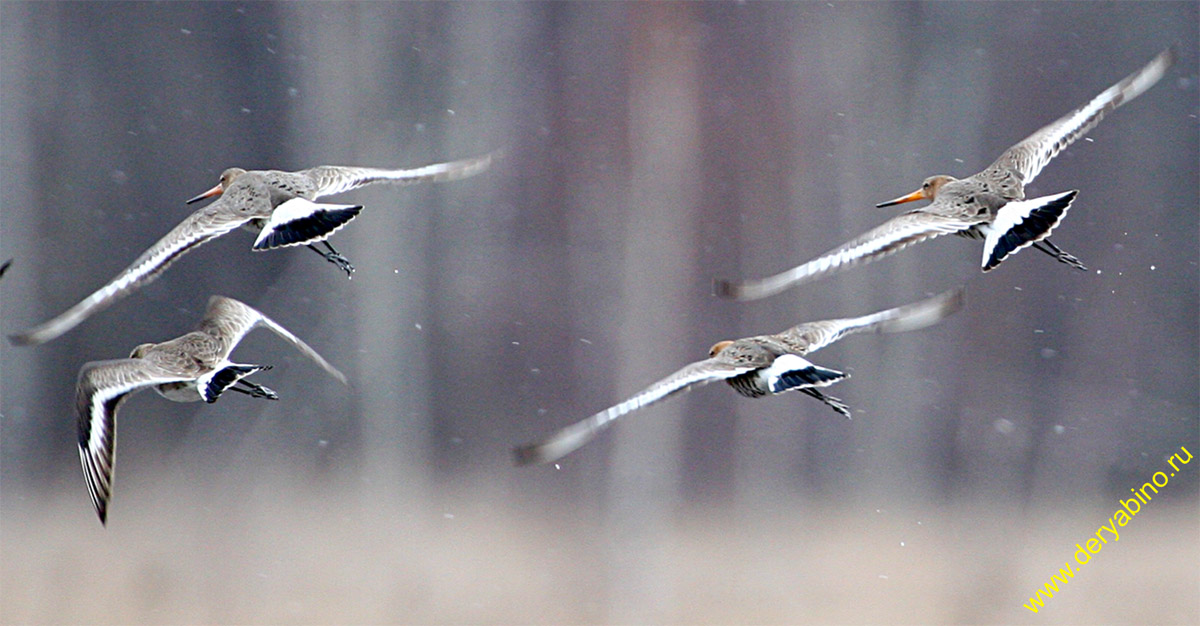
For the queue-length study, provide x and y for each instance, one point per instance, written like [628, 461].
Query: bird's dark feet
[1062, 256]
[340, 261]
[255, 390]
[333, 256]
[834, 403]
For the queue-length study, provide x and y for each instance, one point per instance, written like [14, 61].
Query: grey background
[649, 149]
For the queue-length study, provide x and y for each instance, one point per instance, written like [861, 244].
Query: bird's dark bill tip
[726, 289]
[208, 194]
[22, 339]
[530, 454]
[911, 197]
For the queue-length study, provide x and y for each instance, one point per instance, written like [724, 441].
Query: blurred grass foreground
[326, 556]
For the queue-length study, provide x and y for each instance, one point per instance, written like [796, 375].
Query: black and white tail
[808, 375]
[1023, 223]
[299, 221]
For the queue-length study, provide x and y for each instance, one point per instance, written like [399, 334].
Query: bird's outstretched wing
[1026, 159]
[230, 320]
[812, 336]
[331, 179]
[900, 231]
[199, 227]
[573, 437]
[101, 388]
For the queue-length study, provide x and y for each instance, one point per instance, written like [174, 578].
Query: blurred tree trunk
[659, 265]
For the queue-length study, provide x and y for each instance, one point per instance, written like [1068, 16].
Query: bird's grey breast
[179, 392]
[249, 197]
[757, 353]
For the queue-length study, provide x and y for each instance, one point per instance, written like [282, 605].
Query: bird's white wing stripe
[813, 336]
[891, 236]
[571, 438]
[304, 348]
[1051, 139]
[187, 235]
[106, 382]
[331, 179]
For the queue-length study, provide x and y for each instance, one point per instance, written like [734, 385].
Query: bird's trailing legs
[254, 390]
[1059, 254]
[333, 256]
[834, 403]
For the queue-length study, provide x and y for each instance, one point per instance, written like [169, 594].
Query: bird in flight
[189, 368]
[246, 199]
[310, 223]
[754, 367]
[990, 205]
[277, 205]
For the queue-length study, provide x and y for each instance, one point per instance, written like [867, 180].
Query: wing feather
[812, 336]
[100, 390]
[1027, 159]
[331, 179]
[230, 320]
[573, 437]
[199, 227]
[891, 236]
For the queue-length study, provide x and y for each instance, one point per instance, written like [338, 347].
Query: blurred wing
[1027, 159]
[100, 390]
[576, 435]
[230, 320]
[900, 231]
[813, 336]
[199, 227]
[331, 179]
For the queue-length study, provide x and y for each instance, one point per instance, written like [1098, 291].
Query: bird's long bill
[916, 195]
[215, 191]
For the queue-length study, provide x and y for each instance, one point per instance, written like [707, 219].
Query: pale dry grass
[294, 557]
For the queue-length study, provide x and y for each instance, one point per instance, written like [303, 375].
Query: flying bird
[754, 367]
[990, 205]
[310, 223]
[278, 206]
[189, 368]
[248, 198]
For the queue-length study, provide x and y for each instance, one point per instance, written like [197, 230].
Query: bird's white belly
[179, 392]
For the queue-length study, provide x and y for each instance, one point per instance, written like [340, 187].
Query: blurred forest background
[649, 147]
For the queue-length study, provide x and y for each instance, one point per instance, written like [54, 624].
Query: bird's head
[928, 191]
[227, 177]
[718, 348]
